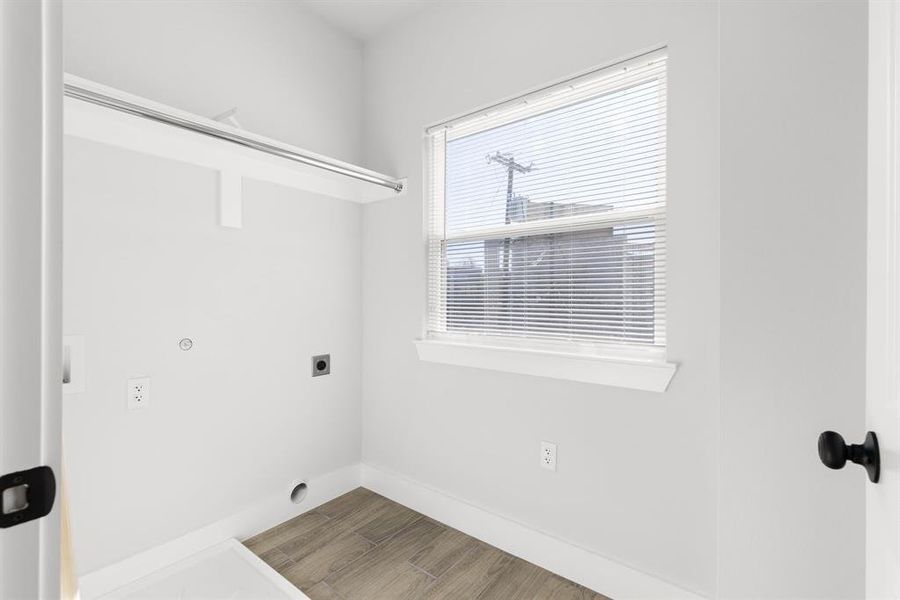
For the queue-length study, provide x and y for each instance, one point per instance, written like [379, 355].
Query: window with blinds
[546, 216]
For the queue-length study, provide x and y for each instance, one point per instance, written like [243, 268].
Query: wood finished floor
[362, 546]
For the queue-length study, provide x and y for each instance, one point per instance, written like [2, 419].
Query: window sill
[652, 376]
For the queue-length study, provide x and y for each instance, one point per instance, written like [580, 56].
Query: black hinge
[26, 495]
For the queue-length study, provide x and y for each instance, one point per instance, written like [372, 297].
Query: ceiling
[364, 19]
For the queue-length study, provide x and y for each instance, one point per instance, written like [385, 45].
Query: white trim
[648, 375]
[107, 126]
[648, 68]
[569, 560]
[651, 53]
[882, 298]
[264, 515]
[139, 588]
[584, 348]
[623, 216]
[31, 281]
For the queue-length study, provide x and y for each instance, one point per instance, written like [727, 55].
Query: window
[546, 218]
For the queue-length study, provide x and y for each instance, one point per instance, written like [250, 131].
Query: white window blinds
[546, 215]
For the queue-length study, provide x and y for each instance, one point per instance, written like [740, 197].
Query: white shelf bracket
[231, 201]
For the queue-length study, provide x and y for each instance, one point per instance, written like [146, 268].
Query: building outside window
[546, 217]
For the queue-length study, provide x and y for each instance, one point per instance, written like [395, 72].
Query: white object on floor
[226, 571]
[273, 509]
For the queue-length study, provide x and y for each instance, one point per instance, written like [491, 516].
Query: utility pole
[512, 167]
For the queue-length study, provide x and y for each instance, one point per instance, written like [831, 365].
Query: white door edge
[882, 323]
[30, 280]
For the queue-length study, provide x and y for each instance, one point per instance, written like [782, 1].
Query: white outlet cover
[548, 456]
[138, 393]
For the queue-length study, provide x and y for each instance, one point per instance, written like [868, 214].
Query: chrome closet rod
[80, 93]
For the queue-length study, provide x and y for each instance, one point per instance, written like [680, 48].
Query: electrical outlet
[321, 365]
[138, 393]
[548, 455]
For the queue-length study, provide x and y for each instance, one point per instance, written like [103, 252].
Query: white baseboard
[559, 556]
[256, 519]
[564, 558]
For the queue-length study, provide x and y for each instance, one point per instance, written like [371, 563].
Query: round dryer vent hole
[299, 493]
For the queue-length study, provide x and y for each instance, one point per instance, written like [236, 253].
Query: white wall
[640, 480]
[793, 297]
[237, 418]
[292, 76]
[714, 485]
[234, 420]
[637, 471]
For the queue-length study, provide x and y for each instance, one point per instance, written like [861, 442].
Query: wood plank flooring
[362, 546]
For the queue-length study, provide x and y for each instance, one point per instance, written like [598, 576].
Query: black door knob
[834, 453]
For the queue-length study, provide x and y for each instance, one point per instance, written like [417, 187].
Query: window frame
[632, 365]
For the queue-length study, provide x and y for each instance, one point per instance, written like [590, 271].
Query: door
[30, 294]
[883, 300]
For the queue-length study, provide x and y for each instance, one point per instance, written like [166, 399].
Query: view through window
[547, 216]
